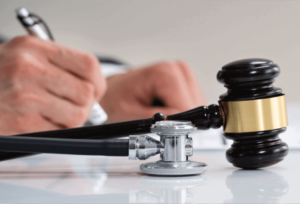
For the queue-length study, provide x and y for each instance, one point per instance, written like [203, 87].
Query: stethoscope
[174, 147]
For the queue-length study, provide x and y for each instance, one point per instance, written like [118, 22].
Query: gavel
[252, 113]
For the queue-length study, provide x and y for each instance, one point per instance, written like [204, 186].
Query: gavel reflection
[252, 113]
[261, 187]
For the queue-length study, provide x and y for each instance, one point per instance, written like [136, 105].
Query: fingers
[35, 110]
[62, 112]
[34, 122]
[80, 64]
[43, 124]
[67, 86]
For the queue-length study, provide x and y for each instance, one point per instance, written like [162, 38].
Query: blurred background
[208, 34]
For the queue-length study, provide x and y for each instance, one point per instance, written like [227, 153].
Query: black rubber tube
[116, 147]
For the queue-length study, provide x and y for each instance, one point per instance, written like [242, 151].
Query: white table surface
[51, 178]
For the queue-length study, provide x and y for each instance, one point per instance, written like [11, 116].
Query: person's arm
[46, 86]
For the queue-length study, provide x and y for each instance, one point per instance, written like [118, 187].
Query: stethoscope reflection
[95, 174]
[259, 186]
[172, 189]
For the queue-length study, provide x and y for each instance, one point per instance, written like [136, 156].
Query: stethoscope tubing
[92, 133]
[115, 147]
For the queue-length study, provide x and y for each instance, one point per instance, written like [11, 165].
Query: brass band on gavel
[254, 115]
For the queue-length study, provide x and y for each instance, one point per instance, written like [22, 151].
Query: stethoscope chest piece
[174, 148]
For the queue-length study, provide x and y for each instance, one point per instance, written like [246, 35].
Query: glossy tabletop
[50, 178]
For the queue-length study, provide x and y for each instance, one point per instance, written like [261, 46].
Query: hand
[129, 96]
[46, 86]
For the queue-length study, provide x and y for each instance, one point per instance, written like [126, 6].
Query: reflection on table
[256, 186]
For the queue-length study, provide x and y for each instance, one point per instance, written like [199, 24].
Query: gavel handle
[202, 117]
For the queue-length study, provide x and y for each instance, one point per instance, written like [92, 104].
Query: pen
[33, 25]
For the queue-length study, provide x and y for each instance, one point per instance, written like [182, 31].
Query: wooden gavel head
[253, 113]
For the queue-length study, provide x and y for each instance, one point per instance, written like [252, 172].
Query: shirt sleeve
[2, 39]
[109, 70]
[112, 66]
